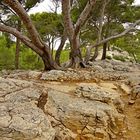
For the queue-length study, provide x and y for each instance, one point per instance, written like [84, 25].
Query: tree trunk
[34, 41]
[75, 55]
[17, 47]
[73, 30]
[104, 51]
[60, 48]
[17, 54]
[52, 46]
[87, 55]
[48, 61]
[95, 54]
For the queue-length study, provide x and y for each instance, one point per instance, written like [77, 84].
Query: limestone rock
[52, 75]
[133, 81]
[135, 92]
[24, 121]
[34, 74]
[90, 119]
[125, 88]
[20, 118]
[101, 94]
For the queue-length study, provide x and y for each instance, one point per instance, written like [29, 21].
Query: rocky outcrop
[100, 94]
[20, 118]
[98, 70]
[57, 105]
[101, 70]
[82, 75]
[134, 83]
[90, 117]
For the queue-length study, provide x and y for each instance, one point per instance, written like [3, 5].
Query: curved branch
[20, 11]
[118, 35]
[132, 27]
[60, 48]
[66, 8]
[84, 15]
[24, 39]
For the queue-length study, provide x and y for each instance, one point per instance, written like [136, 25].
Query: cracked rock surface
[87, 119]
[98, 103]
[20, 118]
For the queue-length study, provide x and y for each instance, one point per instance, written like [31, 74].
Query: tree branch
[132, 27]
[84, 15]
[23, 38]
[20, 11]
[66, 8]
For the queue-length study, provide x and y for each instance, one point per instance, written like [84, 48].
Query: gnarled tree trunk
[48, 61]
[75, 55]
[17, 54]
[73, 30]
[95, 54]
[34, 40]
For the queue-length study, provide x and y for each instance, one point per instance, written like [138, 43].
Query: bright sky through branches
[47, 5]
[137, 2]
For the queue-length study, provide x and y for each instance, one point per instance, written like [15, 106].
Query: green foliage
[108, 57]
[131, 44]
[28, 59]
[78, 7]
[50, 27]
[48, 24]
[120, 58]
[64, 56]
[6, 55]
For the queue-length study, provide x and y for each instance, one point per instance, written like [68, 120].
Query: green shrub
[108, 57]
[120, 58]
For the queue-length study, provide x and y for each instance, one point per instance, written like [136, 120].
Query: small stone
[131, 102]
[138, 116]
[99, 133]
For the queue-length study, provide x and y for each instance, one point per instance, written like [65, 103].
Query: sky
[47, 5]
[137, 2]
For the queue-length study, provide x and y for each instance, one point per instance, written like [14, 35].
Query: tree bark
[73, 30]
[21, 12]
[34, 41]
[75, 55]
[44, 53]
[17, 54]
[100, 28]
[60, 48]
[95, 54]
[105, 45]
[49, 64]
[17, 47]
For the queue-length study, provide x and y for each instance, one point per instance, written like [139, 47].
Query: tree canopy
[84, 25]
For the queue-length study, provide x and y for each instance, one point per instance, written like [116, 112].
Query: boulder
[52, 75]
